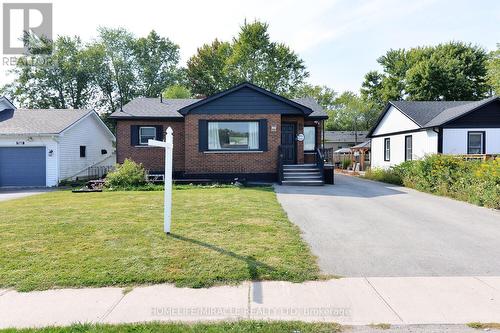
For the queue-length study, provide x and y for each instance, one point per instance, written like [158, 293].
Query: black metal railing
[280, 165]
[320, 163]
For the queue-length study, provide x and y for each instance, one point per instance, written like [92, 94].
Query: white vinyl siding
[394, 121]
[90, 133]
[455, 140]
[423, 143]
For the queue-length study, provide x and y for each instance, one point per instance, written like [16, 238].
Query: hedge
[477, 182]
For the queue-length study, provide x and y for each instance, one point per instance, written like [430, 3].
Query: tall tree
[157, 58]
[352, 113]
[61, 79]
[451, 71]
[205, 70]
[251, 56]
[494, 70]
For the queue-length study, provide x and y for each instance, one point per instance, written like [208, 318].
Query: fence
[97, 172]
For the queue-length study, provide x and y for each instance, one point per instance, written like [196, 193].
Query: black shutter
[263, 134]
[134, 135]
[160, 135]
[202, 135]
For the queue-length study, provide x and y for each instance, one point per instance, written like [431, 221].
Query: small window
[475, 143]
[83, 151]
[104, 151]
[145, 134]
[408, 148]
[387, 149]
[233, 135]
[309, 138]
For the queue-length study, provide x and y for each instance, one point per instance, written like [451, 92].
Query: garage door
[22, 166]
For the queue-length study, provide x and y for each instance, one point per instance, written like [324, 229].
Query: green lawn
[219, 236]
[233, 327]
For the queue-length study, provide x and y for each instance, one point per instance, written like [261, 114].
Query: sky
[339, 40]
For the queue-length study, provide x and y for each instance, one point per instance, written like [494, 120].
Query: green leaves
[451, 71]
[251, 56]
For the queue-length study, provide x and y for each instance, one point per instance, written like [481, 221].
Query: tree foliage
[177, 91]
[352, 113]
[252, 57]
[451, 71]
[493, 67]
[104, 74]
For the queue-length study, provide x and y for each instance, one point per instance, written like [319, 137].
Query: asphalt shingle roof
[168, 108]
[344, 136]
[38, 121]
[152, 107]
[435, 113]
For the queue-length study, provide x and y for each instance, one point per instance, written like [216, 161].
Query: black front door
[288, 143]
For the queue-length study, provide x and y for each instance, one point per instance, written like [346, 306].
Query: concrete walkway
[363, 228]
[16, 193]
[349, 301]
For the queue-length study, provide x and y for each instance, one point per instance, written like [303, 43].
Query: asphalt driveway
[15, 193]
[364, 228]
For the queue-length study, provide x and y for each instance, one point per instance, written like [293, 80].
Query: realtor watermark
[23, 21]
[292, 312]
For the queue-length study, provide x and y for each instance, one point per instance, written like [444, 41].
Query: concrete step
[307, 182]
[302, 178]
[301, 170]
[300, 173]
[298, 166]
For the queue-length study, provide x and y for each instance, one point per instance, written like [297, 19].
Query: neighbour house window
[387, 149]
[83, 151]
[408, 148]
[145, 134]
[475, 143]
[309, 138]
[233, 135]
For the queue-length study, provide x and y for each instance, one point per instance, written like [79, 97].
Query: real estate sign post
[168, 145]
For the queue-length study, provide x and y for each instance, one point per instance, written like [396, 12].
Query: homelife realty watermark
[22, 20]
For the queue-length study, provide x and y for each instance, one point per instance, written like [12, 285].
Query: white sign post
[168, 145]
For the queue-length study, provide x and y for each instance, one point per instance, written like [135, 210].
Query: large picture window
[387, 149]
[475, 143]
[241, 135]
[309, 138]
[408, 148]
[146, 133]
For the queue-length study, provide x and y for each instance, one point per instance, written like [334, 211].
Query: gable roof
[39, 121]
[426, 114]
[185, 110]
[146, 107]
[5, 104]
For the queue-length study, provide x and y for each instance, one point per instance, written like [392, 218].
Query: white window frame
[220, 122]
[140, 134]
[314, 138]
[408, 148]
[482, 148]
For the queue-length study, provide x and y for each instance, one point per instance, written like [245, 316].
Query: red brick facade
[153, 158]
[189, 160]
[232, 162]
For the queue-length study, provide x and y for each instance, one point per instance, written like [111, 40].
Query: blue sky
[339, 40]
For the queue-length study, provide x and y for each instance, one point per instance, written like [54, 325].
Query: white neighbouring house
[41, 147]
[410, 130]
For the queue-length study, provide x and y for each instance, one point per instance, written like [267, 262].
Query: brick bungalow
[239, 133]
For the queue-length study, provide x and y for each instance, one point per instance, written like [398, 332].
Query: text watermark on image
[20, 20]
[242, 312]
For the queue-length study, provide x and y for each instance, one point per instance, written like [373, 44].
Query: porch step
[299, 166]
[309, 169]
[303, 182]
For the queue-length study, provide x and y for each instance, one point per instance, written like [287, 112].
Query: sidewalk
[348, 301]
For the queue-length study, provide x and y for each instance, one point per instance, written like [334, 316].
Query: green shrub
[477, 182]
[126, 175]
[346, 163]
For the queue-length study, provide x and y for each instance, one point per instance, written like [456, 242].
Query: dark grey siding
[246, 101]
[22, 166]
[487, 116]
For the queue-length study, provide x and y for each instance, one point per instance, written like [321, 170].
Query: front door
[288, 146]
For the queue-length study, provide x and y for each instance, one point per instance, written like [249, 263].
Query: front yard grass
[234, 327]
[219, 236]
